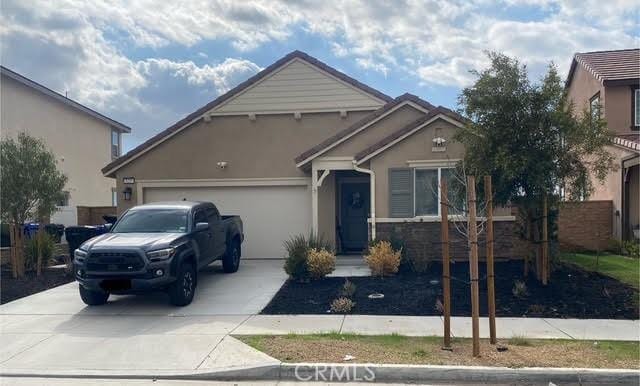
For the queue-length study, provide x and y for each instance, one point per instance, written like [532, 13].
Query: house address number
[128, 180]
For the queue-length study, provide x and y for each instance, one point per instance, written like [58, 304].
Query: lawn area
[622, 268]
[397, 349]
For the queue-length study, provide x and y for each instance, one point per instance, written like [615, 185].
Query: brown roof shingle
[357, 125]
[236, 90]
[609, 66]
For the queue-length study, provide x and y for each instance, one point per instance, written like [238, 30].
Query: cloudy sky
[148, 63]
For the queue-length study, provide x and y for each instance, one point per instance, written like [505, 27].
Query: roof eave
[61, 98]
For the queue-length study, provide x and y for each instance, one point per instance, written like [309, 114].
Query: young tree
[31, 185]
[528, 137]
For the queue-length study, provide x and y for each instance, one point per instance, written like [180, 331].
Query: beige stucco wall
[583, 87]
[634, 196]
[81, 143]
[618, 109]
[611, 188]
[264, 148]
[416, 147]
[377, 131]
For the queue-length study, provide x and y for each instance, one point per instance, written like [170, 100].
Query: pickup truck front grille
[114, 262]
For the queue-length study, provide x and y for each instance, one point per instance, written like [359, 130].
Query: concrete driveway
[53, 331]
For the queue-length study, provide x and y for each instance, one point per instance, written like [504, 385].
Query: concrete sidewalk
[535, 328]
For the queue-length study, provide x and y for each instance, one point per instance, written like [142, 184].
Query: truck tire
[182, 290]
[93, 298]
[231, 259]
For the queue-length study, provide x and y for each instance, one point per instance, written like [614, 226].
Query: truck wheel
[231, 259]
[182, 290]
[93, 298]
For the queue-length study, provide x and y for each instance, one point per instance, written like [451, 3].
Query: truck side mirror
[202, 226]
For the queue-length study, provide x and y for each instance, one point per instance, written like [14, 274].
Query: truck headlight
[161, 254]
[79, 253]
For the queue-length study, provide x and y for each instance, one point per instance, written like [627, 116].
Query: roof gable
[401, 134]
[299, 85]
[362, 124]
[200, 113]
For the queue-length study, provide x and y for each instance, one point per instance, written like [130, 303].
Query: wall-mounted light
[127, 193]
[222, 164]
[439, 144]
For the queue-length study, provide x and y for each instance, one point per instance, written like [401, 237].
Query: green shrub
[342, 305]
[382, 259]
[320, 263]
[297, 248]
[631, 248]
[47, 245]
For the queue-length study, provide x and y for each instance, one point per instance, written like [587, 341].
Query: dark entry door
[354, 211]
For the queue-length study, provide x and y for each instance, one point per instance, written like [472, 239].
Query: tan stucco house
[608, 83]
[82, 139]
[298, 147]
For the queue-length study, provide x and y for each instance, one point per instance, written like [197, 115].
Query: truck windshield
[153, 220]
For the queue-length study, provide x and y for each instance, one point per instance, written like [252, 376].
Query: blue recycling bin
[31, 229]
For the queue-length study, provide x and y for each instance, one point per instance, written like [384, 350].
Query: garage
[270, 214]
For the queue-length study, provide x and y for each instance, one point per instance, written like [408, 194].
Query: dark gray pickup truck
[158, 246]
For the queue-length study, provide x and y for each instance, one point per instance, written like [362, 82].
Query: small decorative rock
[348, 357]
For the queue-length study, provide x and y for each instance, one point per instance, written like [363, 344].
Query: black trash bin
[55, 231]
[76, 235]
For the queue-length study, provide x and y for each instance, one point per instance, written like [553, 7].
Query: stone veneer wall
[419, 236]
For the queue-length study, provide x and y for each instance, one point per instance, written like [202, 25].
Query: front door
[354, 211]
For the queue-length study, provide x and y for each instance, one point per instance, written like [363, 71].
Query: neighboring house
[301, 146]
[608, 83]
[82, 139]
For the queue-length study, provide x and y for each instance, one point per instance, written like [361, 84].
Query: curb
[340, 372]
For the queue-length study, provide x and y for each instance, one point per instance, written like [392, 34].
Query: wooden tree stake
[446, 274]
[491, 293]
[473, 264]
[545, 243]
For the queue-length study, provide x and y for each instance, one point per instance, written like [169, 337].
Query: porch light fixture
[222, 164]
[439, 144]
[127, 193]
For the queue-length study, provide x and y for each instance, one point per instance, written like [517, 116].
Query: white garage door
[270, 214]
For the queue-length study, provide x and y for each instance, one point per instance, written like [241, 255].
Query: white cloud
[369, 64]
[222, 76]
[77, 45]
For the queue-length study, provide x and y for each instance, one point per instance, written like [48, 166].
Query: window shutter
[401, 192]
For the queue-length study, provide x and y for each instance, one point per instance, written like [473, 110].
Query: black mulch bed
[571, 293]
[12, 289]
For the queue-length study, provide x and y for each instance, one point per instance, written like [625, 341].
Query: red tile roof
[630, 141]
[609, 66]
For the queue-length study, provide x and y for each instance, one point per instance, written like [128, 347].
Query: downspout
[372, 188]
